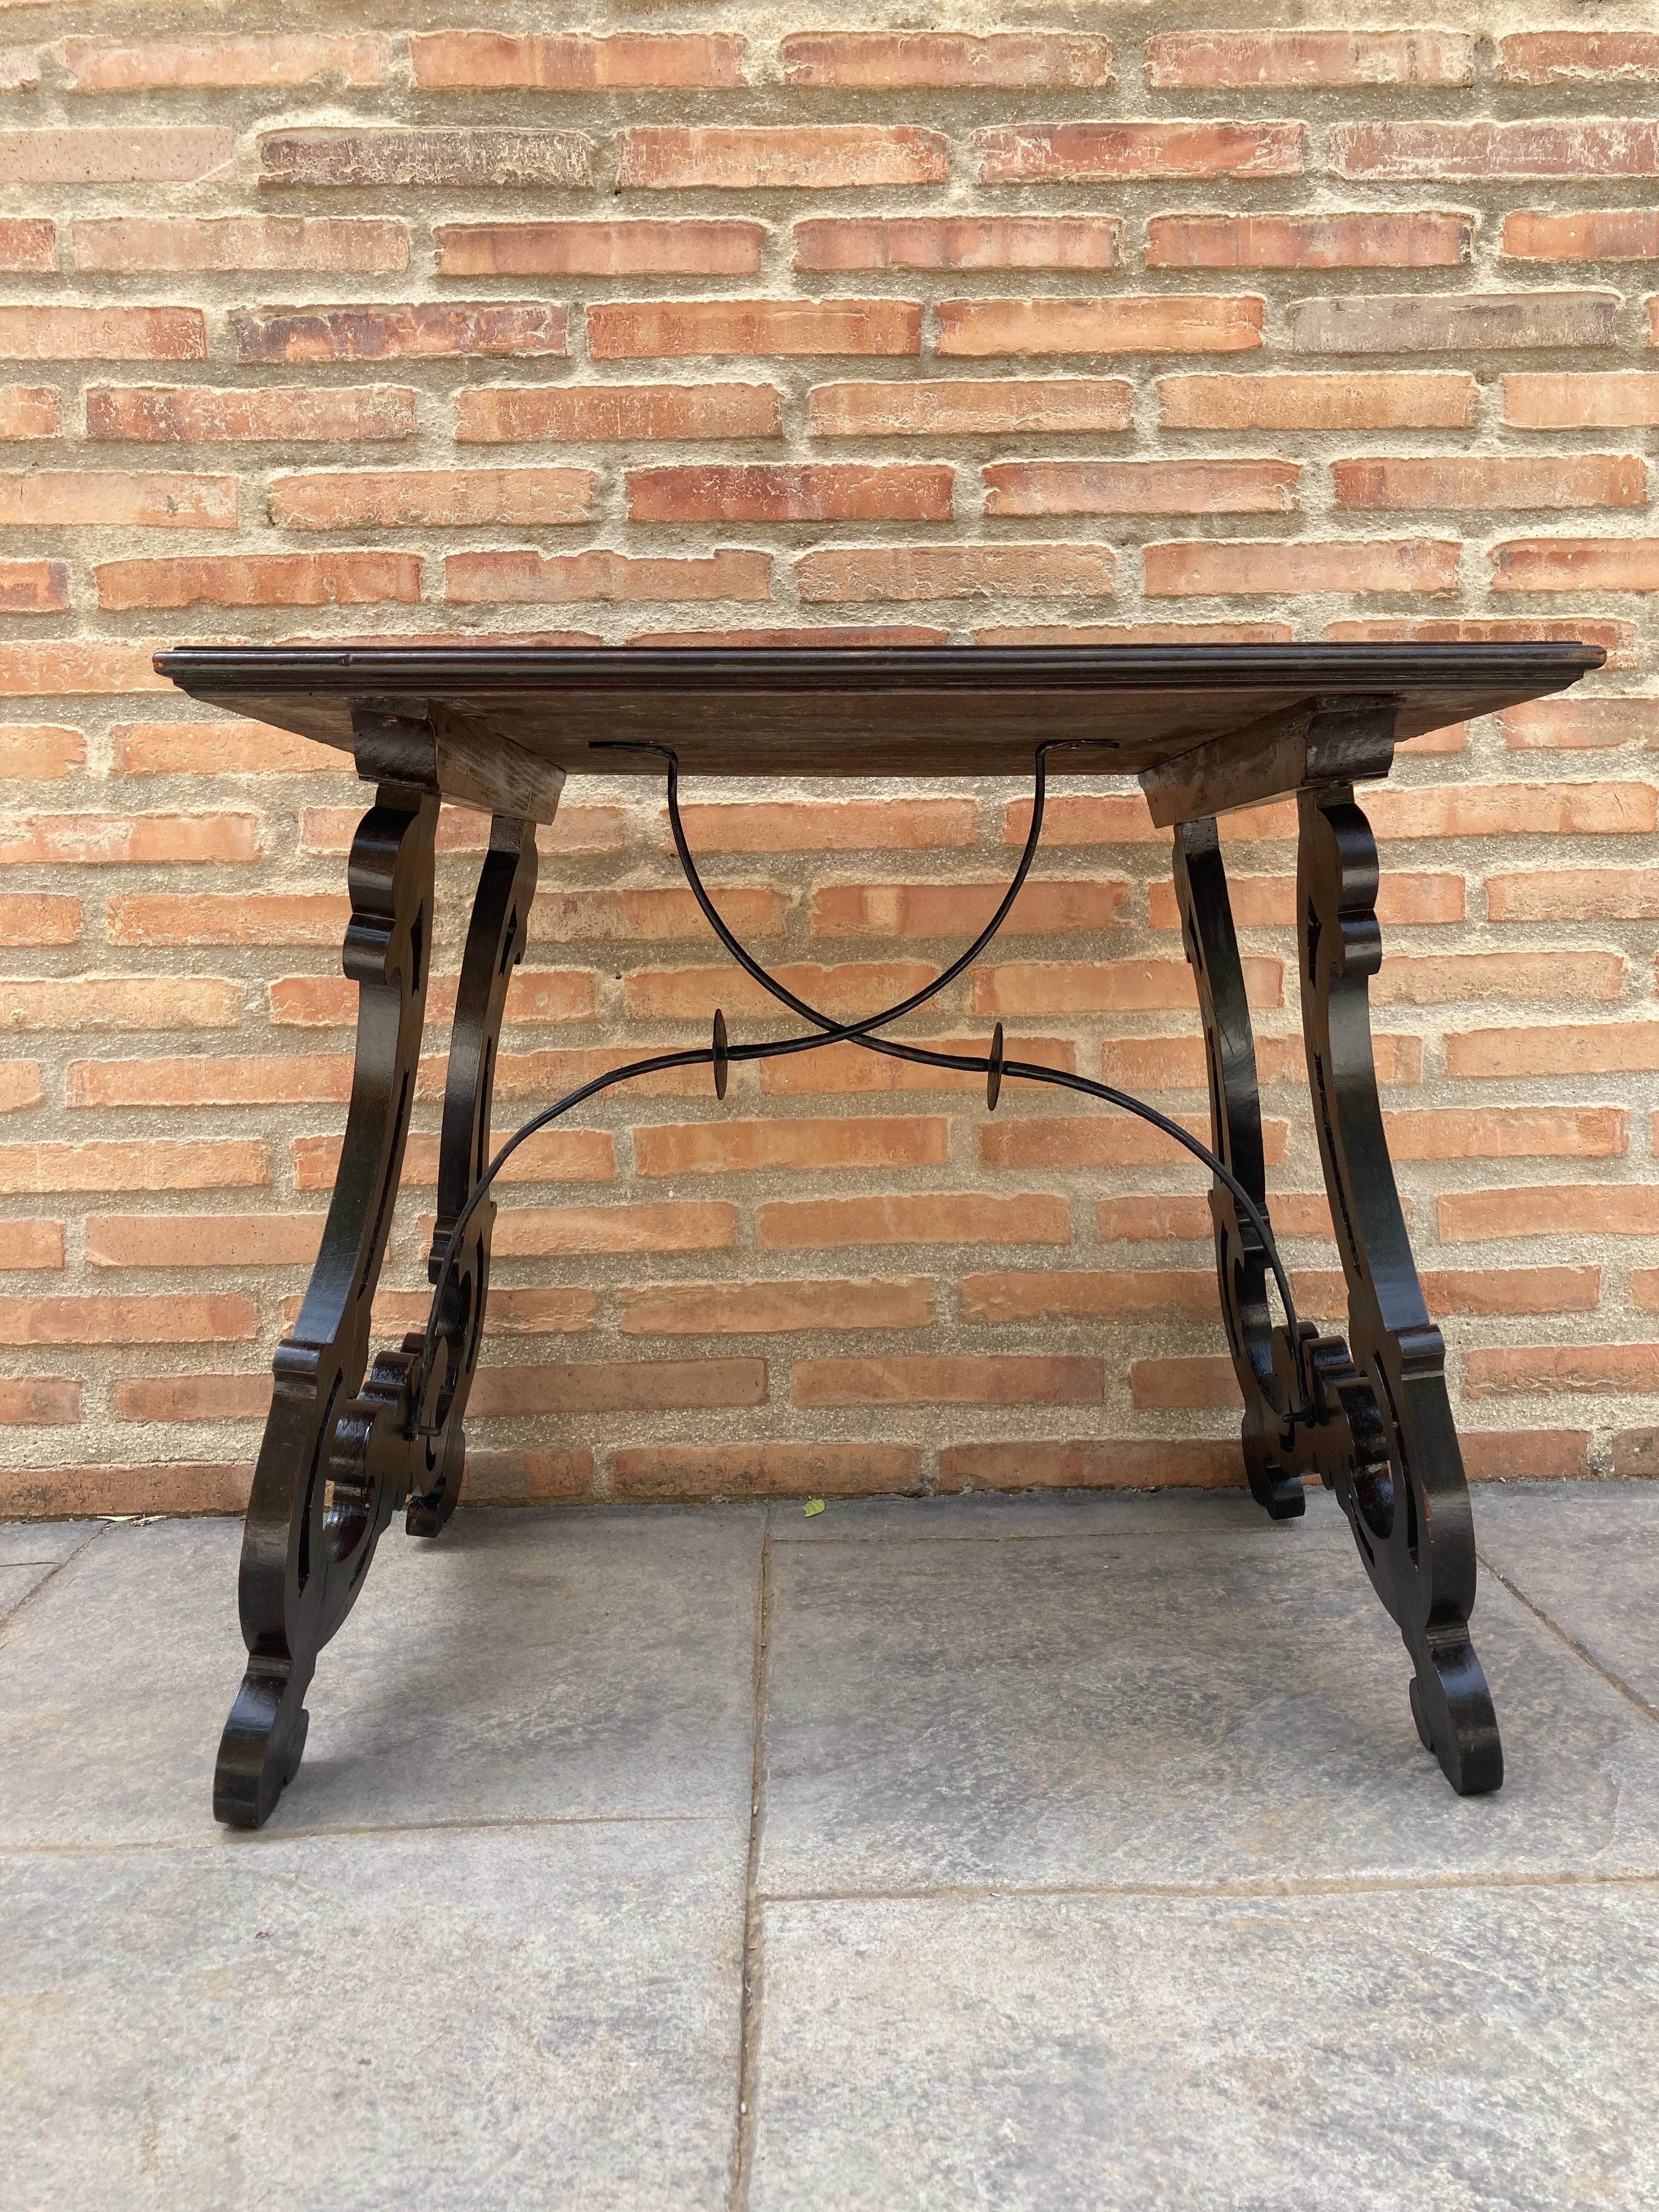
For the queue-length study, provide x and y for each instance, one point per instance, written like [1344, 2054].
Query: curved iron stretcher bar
[832, 1032]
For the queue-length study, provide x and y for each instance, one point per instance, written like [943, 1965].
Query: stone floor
[1073, 1851]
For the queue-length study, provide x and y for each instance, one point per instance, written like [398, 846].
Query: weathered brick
[40, 752]
[652, 917]
[963, 909]
[229, 918]
[109, 498]
[1367, 240]
[1573, 894]
[380, 155]
[210, 1080]
[119, 839]
[1164, 487]
[539, 1232]
[930, 1379]
[1405, 897]
[555, 1155]
[1415, 565]
[845, 992]
[39, 1402]
[194, 1398]
[626, 330]
[1576, 564]
[261, 580]
[527, 1477]
[574, 61]
[34, 587]
[731, 1146]
[1584, 234]
[119, 1002]
[1578, 57]
[896, 60]
[1622, 1369]
[1277, 401]
[1445, 322]
[1056, 1295]
[934, 1217]
[20, 1085]
[768, 157]
[1576, 725]
[29, 1244]
[166, 413]
[1621, 399]
[1179, 61]
[1506, 480]
[205, 65]
[72, 665]
[797, 491]
[906, 823]
[627, 247]
[1553, 1048]
[28, 244]
[949, 407]
[1451, 979]
[1548, 146]
[126, 244]
[1068, 987]
[1124, 1463]
[219, 748]
[821, 636]
[413, 499]
[620, 1387]
[148, 1163]
[952, 572]
[1478, 1217]
[501, 414]
[1190, 322]
[170, 154]
[1030, 152]
[957, 241]
[1080, 817]
[1536, 809]
[421, 329]
[39, 918]
[763, 1470]
[1503, 1132]
[52, 332]
[1617, 639]
[560, 578]
[221, 1319]
[28, 411]
[283, 1239]
[846, 1071]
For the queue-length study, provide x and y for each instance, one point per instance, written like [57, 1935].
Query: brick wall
[708, 322]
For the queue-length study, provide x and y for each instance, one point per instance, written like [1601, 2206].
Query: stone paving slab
[30, 1543]
[1587, 1555]
[516, 2017]
[529, 1664]
[18, 1583]
[1487, 2049]
[1197, 1709]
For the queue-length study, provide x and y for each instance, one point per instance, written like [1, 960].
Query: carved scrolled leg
[494, 946]
[1212, 943]
[328, 1476]
[1390, 1446]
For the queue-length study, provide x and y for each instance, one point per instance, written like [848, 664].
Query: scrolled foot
[1453, 1709]
[260, 1750]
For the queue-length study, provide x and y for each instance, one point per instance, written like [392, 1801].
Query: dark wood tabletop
[927, 711]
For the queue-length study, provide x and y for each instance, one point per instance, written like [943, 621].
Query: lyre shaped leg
[309, 1536]
[1212, 943]
[494, 946]
[1399, 1475]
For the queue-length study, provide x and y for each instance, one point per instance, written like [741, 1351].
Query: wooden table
[1205, 729]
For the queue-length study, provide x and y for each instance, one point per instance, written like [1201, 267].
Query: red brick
[119, 1002]
[229, 917]
[26, 1244]
[1621, 1370]
[626, 1386]
[574, 61]
[561, 579]
[846, 992]
[1145, 633]
[28, 411]
[1573, 894]
[20, 1085]
[163, 414]
[967, 407]
[1106, 1140]
[1644, 1288]
[514, 413]
[1225, 60]
[652, 917]
[1162, 323]
[933, 1217]
[929, 1379]
[1084, 818]
[412, 499]
[379, 154]
[540, 1232]
[1576, 564]
[28, 244]
[765, 157]
[34, 587]
[1579, 57]
[821, 636]
[907, 824]
[1617, 639]
[1165, 1220]
[1493, 809]
[1162, 1385]
[1403, 897]
[624, 330]
[847, 1071]
[153, 1164]
[422, 329]
[667, 1472]
[194, 1398]
[177, 1487]
[1442, 322]
[119, 839]
[1586, 234]
[896, 60]
[204, 1240]
[105, 65]
[1554, 1048]
[39, 918]
[1092, 1295]
[220, 748]
[121, 244]
[173, 153]
[1509, 480]
[1121, 1463]
[1164, 487]
[1512, 1290]
[767, 1309]
[112, 498]
[203, 1079]
[1501, 1132]
[560, 1154]
[1441, 979]
[963, 909]
[1549, 146]
[1366, 240]
[261, 580]
[1434, 401]
[1030, 152]
[957, 241]
[728, 1147]
[221, 1320]
[625, 247]
[1616, 400]
[526, 1478]
[39, 1402]
[578, 829]
[798, 491]
[990, 568]
[1088, 987]
[1473, 1217]
[1264, 565]
[53, 333]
